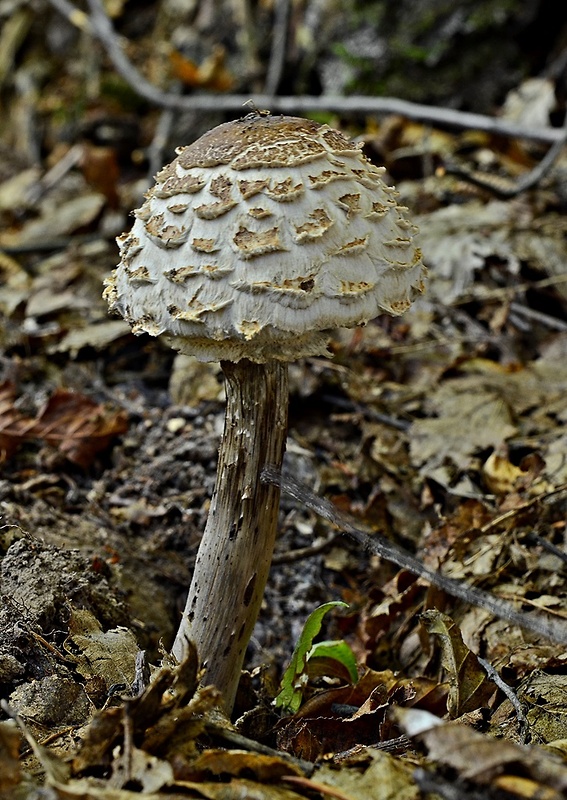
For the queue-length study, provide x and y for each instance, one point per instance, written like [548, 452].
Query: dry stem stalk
[236, 550]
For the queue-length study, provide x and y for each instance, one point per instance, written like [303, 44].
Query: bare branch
[523, 724]
[100, 26]
[526, 181]
[554, 628]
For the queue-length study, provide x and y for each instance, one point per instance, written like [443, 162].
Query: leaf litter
[443, 430]
[75, 425]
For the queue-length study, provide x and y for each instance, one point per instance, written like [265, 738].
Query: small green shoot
[296, 675]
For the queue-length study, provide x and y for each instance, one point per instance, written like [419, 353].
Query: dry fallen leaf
[499, 474]
[378, 776]
[67, 218]
[457, 240]
[132, 766]
[469, 688]
[466, 417]
[212, 73]
[76, 425]
[10, 774]
[337, 720]
[240, 789]
[488, 761]
[544, 698]
[214, 763]
[110, 655]
[98, 335]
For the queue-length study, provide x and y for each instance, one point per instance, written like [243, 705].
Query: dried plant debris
[443, 431]
[511, 769]
[153, 742]
[75, 425]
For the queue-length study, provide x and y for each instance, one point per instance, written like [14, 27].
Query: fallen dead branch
[99, 25]
[373, 542]
[526, 181]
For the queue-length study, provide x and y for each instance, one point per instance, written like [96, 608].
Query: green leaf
[337, 650]
[295, 676]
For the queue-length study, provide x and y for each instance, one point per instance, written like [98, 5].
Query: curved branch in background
[526, 181]
[99, 26]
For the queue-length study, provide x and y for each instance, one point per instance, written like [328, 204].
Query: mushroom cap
[260, 238]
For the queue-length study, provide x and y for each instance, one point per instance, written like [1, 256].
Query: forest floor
[443, 431]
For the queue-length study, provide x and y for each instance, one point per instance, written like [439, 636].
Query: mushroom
[256, 242]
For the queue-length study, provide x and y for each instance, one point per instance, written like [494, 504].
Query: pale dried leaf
[142, 769]
[545, 698]
[14, 191]
[469, 687]
[108, 654]
[61, 221]
[98, 335]
[483, 759]
[241, 789]
[470, 417]
[457, 240]
[531, 102]
[387, 778]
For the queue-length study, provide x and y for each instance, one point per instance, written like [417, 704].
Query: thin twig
[49, 245]
[538, 316]
[512, 697]
[557, 613]
[513, 512]
[373, 542]
[370, 413]
[535, 175]
[399, 745]
[247, 36]
[74, 15]
[507, 292]
[25, 751]
[322, 789]
[533, 538]
[159, 142]
[100, 26]
[57, 653]
[56, 771]
[58, 171]
[301, 553]
[526, 181]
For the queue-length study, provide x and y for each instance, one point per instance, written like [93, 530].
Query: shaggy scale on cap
[259, 239]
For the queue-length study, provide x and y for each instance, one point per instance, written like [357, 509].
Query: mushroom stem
[236, 550]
